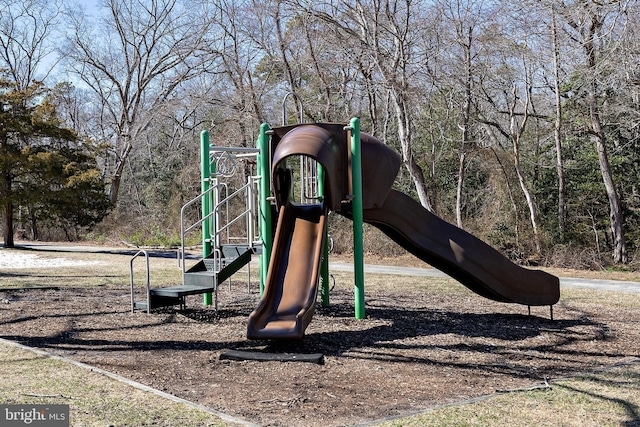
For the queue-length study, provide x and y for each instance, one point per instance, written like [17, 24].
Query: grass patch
[610, 298]
[607, 398]
[94, 399]
[88, 270]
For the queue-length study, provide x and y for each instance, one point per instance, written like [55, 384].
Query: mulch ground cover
[419, 347]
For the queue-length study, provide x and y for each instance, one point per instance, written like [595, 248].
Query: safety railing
[131, 276]
[222, 217]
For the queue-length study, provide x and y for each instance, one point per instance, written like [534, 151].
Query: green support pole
[266, 224]
[356, 207]
[324, 268]
[205, 168]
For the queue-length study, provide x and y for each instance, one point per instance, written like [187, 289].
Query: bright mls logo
[34, 415]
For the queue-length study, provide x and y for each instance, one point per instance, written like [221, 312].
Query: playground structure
[304, 171]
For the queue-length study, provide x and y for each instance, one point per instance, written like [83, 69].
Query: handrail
[251, 219]
[247, 150]
[220, 211]
[220, 203]
[146, 256]
[184, 231]
[222, 189]
[216, 210]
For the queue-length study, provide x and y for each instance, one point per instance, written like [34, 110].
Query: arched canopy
[329, 145]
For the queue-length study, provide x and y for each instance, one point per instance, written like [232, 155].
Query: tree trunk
[35, 234]
[516, 131]
[116, 177]
[461, 169]
[533, 216]
[514, 205]
[562, 187]
[466, 120]
[7, 202]
[619, 245]
[404, 134]
[7, 223]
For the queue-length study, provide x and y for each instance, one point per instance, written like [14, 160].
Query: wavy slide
[291, 288]
[461, 255]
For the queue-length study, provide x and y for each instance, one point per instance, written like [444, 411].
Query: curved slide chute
[444, 246]
[291, 289]
[291, 286]
[461, 255]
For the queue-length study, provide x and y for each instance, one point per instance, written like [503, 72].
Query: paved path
[565, 282]
[52, 247]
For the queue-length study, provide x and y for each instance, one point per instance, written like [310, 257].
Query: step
[199, 279]
[181, 291]
[202, 273]
[158, 301]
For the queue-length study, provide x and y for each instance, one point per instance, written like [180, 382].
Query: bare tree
[588, 23]
[557, 128]
[509, 90]
[384, 33]
[517, 126]
[464, 18]
[238, 52]
[27, 46]
[133, 59]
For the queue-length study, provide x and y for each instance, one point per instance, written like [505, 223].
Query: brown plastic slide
[290, 292]
[291, 286]
[461, 255]
[291, 289]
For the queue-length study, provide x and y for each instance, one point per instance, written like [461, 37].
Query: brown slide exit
[291, 288]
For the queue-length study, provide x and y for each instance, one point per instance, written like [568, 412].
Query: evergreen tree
[46, 172]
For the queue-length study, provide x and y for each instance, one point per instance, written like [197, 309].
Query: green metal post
[356, 207]
[266, 224]
[205, 168]
[324, 268]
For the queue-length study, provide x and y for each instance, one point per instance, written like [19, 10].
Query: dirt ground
[421, 346]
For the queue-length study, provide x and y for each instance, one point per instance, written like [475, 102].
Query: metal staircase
[227, 253]
[202, 278]
[232, 259]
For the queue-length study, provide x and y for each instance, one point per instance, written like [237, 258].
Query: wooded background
[519, 121]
